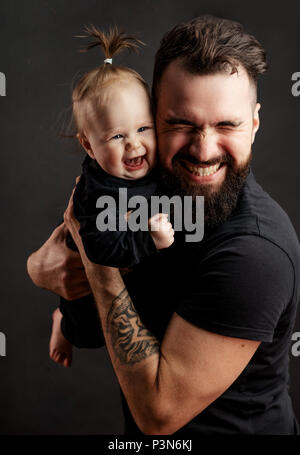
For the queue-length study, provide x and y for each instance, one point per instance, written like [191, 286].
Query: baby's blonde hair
[91, 84]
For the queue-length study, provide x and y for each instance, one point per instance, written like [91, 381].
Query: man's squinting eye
[228, 124]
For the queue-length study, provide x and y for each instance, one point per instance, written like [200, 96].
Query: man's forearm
[130, 340]
[133, 350]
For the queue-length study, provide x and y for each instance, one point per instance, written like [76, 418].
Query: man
[199, 335]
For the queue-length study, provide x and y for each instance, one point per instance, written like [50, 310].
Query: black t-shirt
[241, 280]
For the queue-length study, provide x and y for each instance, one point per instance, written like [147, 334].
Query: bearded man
[199, 335]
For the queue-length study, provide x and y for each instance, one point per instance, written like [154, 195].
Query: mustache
[193, 160]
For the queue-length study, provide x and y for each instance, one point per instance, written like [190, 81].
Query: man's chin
[220, 198]
[191, 188]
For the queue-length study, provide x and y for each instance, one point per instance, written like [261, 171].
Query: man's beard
[219, 203]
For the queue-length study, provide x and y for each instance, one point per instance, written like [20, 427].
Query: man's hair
[207, 45]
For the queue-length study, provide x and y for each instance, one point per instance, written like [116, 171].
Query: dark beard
[219, 203]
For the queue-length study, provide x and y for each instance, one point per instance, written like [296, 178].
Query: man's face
[206, 125]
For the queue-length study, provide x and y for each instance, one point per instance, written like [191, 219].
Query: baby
[113, 116]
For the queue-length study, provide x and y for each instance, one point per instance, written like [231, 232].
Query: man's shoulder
[258, 214]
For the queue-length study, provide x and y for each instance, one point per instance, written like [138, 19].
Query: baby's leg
[60, 349]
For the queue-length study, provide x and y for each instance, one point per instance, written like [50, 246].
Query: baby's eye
[143, 128]
[117, 136]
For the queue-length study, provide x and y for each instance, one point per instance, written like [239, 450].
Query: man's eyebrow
[229, 123]
[180, 121]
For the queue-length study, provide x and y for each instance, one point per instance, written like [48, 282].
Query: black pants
[80, 323]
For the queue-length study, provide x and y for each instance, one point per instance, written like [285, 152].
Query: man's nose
[203, 146]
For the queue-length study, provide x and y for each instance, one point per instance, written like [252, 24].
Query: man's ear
[255, 121]
[85, 144]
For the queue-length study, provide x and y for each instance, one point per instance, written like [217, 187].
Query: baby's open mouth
[134, 162]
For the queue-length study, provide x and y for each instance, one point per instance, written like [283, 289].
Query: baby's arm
[117, 248]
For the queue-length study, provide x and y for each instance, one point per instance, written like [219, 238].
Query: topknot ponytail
[112, 42]
[91, 84]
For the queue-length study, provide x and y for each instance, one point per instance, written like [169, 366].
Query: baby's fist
[162, 231]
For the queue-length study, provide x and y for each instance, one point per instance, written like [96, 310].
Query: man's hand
[57, 268]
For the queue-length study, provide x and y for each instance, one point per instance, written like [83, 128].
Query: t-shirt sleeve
[240, 289]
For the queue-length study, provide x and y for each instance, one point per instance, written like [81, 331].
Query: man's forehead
[181, 90]
[175, 74]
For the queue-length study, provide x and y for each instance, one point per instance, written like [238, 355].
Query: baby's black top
[111, 248]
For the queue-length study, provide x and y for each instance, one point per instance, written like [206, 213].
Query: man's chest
[157, 285]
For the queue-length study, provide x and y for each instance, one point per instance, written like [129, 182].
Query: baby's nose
[132, 144]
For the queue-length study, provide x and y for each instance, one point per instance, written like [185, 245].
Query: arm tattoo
[130, 340]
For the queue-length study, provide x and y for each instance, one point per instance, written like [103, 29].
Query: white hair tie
[108, 60]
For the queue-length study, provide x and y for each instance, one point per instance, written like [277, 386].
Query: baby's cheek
[115, 159]
[151, 150]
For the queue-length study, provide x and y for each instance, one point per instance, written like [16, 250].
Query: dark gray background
[39, 57]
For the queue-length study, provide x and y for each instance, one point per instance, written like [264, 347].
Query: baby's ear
[85, 144]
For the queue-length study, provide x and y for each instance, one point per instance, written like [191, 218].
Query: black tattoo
[131, 341]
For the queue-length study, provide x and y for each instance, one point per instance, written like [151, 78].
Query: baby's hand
[162, 231]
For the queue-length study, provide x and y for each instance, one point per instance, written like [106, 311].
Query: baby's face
[120, 132]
